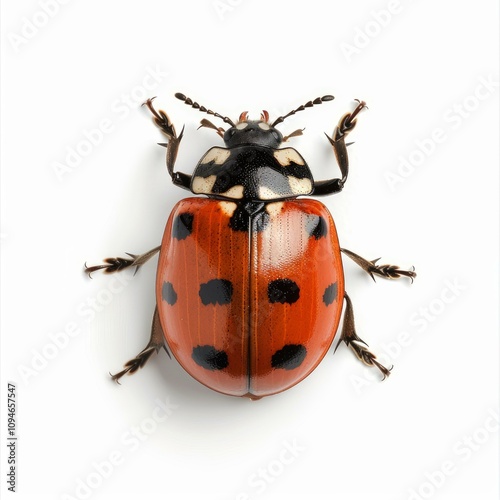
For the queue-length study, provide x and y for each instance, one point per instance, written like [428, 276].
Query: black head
[257, 132]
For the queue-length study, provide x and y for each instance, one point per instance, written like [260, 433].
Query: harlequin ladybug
[250, 283]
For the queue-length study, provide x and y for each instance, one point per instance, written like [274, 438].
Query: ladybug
[250, 283]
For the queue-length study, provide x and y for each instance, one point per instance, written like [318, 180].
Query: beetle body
[250, 283]
[249, 295]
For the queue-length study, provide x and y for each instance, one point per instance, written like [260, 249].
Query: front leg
[163, 122]
[388, 271]
[345, 126]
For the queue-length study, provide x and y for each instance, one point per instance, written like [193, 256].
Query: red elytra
[275, 299]
[250, 282]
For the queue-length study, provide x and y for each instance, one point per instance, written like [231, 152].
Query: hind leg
[156, 342]
[359, 346]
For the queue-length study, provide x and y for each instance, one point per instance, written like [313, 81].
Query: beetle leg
[344, 127]
[163, 122]
[350, 337]
[156, 342]
[115, 264]
[388, 271]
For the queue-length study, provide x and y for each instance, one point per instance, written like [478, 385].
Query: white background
[85, 65]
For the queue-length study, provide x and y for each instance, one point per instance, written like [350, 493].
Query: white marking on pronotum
[286, 155]
[227, 207]
[203, 184]
[234, 192]
[300, 186]
[266, 193]
[217, 155]
[274, 209]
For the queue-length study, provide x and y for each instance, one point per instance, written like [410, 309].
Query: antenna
[309, 104]
[195, 105]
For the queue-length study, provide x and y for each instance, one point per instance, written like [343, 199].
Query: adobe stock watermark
[32, 25]
[463, 450]
[452, 119]
[40, 358]
[379, 21]
[223, 7]
[259, 481]
[129, 442]
[419, 322]
[121, 107]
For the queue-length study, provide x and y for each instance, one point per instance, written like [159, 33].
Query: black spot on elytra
[182, 226]
[240, 220]
[216, 292]
[330, 294]
[255, 212]
[283, 290]
[316, 226]
[207, 356]
[289, 357]
[168, 294]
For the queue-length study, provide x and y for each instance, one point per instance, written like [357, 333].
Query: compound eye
[277, 135]
[229, 134]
